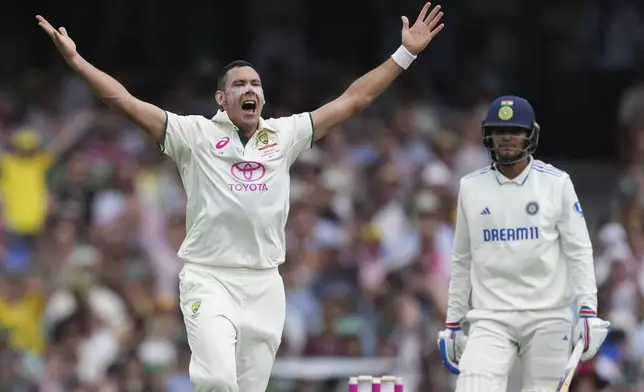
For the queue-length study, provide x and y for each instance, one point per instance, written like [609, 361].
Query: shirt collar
[221, 117]
[520, 179]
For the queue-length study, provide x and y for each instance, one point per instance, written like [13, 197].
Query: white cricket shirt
[520, 244]
[238, 192]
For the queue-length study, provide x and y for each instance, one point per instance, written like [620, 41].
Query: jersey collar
[221, 117]
[520, 179]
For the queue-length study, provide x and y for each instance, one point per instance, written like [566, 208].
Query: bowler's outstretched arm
[147, 116]
[366, 89]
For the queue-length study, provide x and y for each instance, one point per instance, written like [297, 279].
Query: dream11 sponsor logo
[249, 173]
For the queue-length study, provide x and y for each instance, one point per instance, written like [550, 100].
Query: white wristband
[403, 57]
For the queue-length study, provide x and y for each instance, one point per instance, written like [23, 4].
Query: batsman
[523, 276]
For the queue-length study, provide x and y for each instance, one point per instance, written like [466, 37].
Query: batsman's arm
[460, 285]
[356, 98]
[145, 115]
[577, 247]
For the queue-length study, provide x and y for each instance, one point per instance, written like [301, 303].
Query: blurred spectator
[22, 303]
[24, 184]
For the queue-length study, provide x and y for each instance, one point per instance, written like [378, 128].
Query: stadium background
[88, 282]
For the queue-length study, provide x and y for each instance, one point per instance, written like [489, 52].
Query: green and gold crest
[263, 137]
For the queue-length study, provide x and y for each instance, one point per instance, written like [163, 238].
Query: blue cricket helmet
[511, 112]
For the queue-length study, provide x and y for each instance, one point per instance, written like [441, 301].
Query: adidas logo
[486, 211]
[565, 337]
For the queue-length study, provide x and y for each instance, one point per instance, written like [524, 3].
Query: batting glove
[591, 330]
[451, 343]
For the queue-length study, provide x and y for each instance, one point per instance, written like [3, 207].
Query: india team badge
[506, 113]
[532, 208]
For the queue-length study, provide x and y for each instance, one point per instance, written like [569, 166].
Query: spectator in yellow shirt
[22, 304]
[23, 178]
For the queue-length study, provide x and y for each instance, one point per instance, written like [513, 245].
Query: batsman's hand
[592, 330]
[417, 37]
[451, 344]
[65, 45]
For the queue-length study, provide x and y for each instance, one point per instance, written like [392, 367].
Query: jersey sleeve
[180, 136]
[298, 130]
[460, 285]
[577, 247]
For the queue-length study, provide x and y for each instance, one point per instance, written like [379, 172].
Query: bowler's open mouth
[249, 106]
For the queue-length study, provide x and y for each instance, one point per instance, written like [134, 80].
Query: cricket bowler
[522, 256]
[235, 171]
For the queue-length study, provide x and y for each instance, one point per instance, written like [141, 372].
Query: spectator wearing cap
[371, 269]
[23, 178]
[21, 303]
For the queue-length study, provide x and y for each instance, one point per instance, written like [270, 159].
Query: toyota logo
[248, 171]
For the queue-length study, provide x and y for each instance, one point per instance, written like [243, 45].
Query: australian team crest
[532, 208]
[265, 140]
[195, 308]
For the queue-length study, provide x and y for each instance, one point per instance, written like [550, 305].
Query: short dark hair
[223, 75]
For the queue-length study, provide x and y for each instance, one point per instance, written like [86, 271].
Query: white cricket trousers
[540, 339]
[234, 318]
